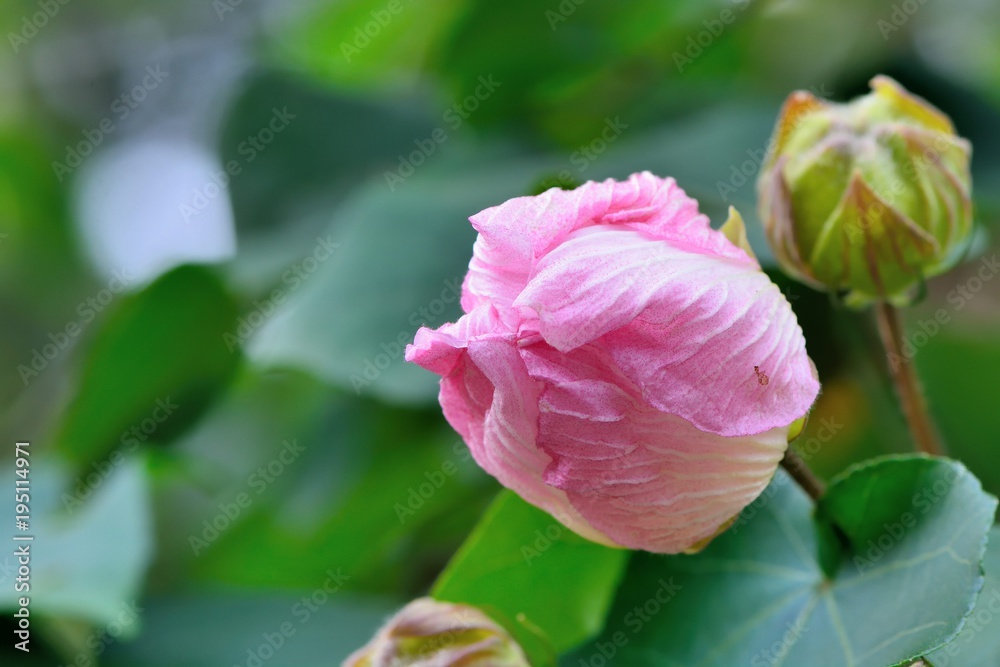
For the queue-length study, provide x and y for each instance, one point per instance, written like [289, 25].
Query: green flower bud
[867, 198]
[428, 633]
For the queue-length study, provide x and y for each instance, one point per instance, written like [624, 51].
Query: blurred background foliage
[212, 250]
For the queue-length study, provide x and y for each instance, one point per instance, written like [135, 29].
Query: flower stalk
[803, 476]
[907, 384]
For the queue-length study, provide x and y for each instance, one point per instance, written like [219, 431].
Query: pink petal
[488, 397]
[515, 234]
[686, 328]
[438, 350]
[646, 479]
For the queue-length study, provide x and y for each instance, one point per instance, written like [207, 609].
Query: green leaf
[402, 256]
[36, 254]
[312, 158]
[366, 482]
[759, 596]
[979, 642]
[366, 43]
[526, 569]
[154, 365]
[310, 628]
[966, 352]
[589, 58]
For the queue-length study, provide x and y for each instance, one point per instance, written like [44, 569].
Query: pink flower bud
[620, 364]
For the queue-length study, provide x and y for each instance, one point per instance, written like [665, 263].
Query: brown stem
[802, 475]
[904, 377]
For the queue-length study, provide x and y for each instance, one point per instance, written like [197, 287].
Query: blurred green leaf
[957, 40]
[34, 235]
[715, 157]
[529, 571]
[578, 63]
[154, 365]
[401, 257]
[758, 594]
[951, 360]
[331, 144]
[368, 478]
[366, 43]
[36, 252]
[240, 432]
[581, 56]
[308, 629]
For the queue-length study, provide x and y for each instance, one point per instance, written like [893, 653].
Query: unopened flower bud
[428, 633]
[618, 356]
[868, 197]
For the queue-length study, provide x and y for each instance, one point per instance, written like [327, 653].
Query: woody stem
[802, 475]
[904, 377]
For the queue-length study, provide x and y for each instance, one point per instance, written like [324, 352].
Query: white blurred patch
[134, 208]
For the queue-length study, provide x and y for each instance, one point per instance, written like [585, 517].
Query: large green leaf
[979, 643]
[400, 263]
[154, 365]
[331, 144]
[528, 570]
[760, 594]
